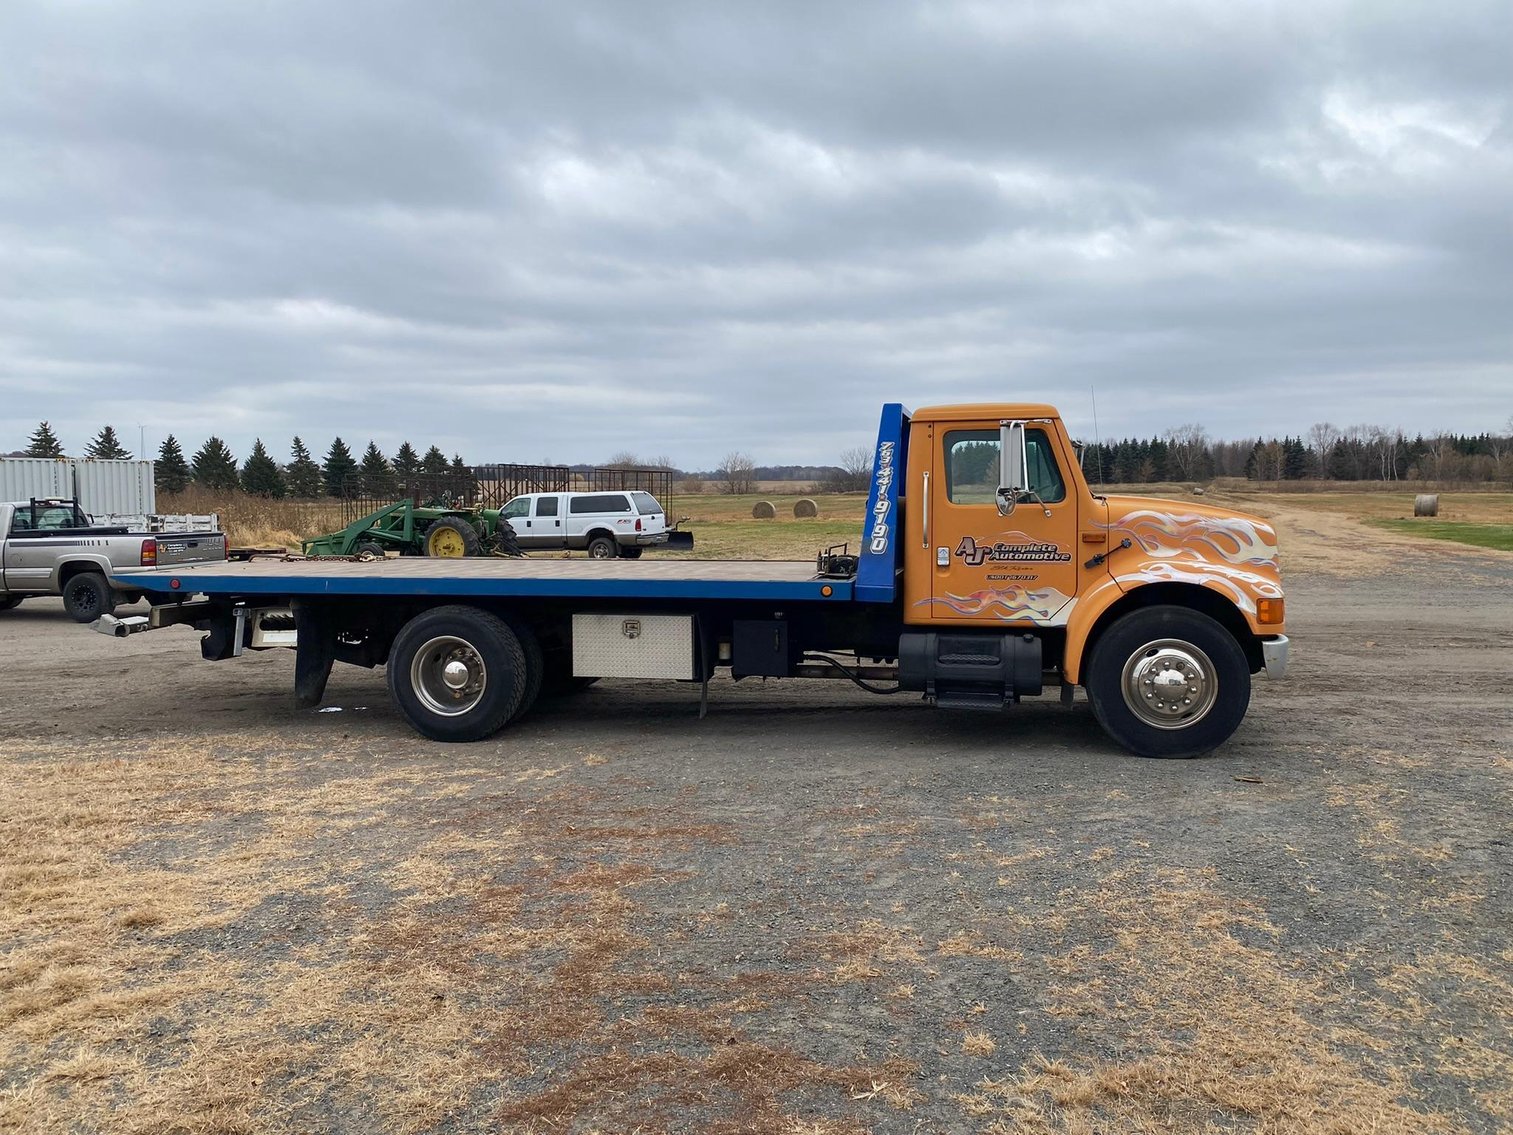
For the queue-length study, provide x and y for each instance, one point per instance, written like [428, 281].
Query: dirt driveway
[816, 911]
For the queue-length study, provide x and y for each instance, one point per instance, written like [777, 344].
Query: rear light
[225, 550]
[149, 553]
[638, 524]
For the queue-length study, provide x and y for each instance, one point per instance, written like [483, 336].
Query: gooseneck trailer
[987, 571]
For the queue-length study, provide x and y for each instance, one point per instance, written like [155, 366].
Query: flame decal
[1218, 576]
[1171, 535]
[1041, 605]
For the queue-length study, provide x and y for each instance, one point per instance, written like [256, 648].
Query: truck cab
[1013, 568]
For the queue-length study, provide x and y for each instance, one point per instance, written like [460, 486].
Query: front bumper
[1274, 655]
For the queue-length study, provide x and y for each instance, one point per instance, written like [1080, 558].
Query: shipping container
[121, 487]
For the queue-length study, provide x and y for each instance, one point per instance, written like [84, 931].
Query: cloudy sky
[553, 231]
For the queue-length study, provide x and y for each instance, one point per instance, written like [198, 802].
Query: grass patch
[1498, 536]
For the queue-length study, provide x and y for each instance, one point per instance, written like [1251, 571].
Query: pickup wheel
[87, 596]
[1168, 682]
[457, 673]
[453, 537]
[9, 602]
[631, 553]
[603, 548]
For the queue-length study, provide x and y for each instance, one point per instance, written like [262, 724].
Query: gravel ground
[815, 911]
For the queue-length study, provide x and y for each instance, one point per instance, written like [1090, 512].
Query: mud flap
[314, 652]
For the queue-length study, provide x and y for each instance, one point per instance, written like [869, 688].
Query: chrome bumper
[1274, 655]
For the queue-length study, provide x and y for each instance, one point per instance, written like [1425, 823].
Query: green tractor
[416, 530]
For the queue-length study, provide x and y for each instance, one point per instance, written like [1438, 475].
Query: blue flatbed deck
[498, 578]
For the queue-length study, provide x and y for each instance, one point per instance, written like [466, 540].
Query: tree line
[214, 466]
[1326, 452]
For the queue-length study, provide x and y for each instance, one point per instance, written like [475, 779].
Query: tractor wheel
[452, 537]
[504, 539]
[371, 548]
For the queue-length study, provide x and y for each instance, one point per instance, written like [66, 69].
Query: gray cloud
[537, 231]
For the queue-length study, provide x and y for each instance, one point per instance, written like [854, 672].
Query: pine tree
[214, 466]
[463, 481]
[434, 462]
[261, 475]
[377, 473]
[107, 447]
[406, 462]
[302, 476]
[44, 443]
[339, 466]
[171, 473]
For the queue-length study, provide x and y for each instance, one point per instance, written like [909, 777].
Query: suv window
[546, 506]
[599, 502]
[972, 467]
[646, 504]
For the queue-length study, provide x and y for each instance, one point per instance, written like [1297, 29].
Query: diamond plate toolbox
[633, 646]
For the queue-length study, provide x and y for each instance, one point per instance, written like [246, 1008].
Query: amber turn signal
[1270, 610]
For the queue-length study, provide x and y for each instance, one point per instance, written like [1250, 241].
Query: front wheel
[87, 596]
[457, 673]
[1168, 682]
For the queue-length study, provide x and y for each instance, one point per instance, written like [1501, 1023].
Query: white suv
[605, 525]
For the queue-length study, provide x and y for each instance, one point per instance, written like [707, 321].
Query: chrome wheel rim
[448, 675]
[1169, 684]
[599, 551]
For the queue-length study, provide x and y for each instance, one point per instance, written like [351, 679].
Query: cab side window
[546, 506]
[1045, 479]
[972, 467]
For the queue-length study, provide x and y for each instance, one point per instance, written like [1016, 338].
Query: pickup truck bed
[500, 578]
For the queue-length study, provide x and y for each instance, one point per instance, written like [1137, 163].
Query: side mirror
[1013, 461]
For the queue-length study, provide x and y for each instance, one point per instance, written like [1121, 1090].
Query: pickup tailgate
[178, 548]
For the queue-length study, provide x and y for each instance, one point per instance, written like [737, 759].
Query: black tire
[631, 553]
[603, 548]
[87, 596]
[372, 548]
[436, 537]
[505, 541]
[491, 656]
[10, 602]
[1207, 682]
[535, 665]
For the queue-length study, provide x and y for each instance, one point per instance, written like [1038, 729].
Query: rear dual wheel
[458, 673]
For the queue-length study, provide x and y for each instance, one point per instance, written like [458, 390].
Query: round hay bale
[805, 507]
[763, 510]
[1198, 490]
[1426, 504]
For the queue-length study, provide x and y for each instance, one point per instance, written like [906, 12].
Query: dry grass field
[814, 912]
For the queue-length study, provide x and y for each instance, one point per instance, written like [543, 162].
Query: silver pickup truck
[50, 547]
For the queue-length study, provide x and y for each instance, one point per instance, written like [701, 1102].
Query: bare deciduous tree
[855, 465]
[1322, 438]
[1187, 449]
[737, 474]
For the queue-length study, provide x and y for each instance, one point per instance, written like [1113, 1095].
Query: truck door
[546, 522]
[988, 567]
